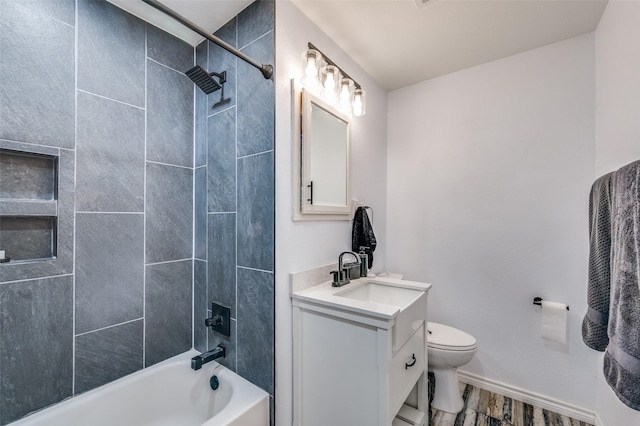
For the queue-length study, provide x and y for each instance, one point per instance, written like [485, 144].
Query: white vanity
[359, 350]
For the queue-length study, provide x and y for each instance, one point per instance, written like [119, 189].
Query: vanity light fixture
[324, 78]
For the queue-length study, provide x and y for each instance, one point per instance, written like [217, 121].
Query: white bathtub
[167, 394]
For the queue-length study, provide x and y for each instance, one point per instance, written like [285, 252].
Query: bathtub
[169, 393]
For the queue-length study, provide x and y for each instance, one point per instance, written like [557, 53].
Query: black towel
[362, 234]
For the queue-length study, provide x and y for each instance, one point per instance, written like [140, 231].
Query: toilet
[448, 348]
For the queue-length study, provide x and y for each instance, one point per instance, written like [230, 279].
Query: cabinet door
[338, 365]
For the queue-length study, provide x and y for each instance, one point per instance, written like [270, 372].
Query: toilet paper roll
[554, 321]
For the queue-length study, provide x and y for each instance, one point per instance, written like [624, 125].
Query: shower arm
[265, 69]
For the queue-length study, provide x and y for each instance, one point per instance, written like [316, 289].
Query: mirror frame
[302, 209]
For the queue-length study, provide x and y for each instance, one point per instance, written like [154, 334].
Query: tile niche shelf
[28, 205]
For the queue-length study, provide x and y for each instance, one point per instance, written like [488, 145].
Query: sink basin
[381, 293]
[412, 305]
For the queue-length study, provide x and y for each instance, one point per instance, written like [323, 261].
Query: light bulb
[346, 88]
[330, 84]
[311, 63]
[359, 102]
[357, 106]
[311, 71]
[344, 93]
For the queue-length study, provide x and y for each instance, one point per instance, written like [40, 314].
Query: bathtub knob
[213, 321]
[214, 382]
[220, 320]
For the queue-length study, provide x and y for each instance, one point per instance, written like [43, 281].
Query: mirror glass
[328, 168]
[325, 158]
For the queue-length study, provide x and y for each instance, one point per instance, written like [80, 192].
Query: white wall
[618, 86]
[488, 175]
[617, 135]
[489, 171]
[304, 245]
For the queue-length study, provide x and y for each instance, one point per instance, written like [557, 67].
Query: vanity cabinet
[346, 371]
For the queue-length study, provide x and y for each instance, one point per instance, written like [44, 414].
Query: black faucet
[342, 275]
[215, 353]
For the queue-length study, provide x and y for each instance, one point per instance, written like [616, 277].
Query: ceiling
[207, 14]
[402, 42]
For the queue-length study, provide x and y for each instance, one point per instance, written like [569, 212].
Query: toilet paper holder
[538, 301]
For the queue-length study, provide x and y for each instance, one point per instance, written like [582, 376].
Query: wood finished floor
[484, 408]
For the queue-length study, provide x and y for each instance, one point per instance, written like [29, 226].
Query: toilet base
[447, 393]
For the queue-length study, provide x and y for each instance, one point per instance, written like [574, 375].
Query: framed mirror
[323, 185]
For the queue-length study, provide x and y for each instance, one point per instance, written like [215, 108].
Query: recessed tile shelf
[27, 176]
[28, 238]
[28, 208]
[28, 205]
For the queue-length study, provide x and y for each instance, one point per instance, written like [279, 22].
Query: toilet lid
[444, 337]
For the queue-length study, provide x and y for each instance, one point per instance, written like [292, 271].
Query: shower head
[204, 80]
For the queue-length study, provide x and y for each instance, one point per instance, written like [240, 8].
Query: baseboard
[531, 398]
[598, 421]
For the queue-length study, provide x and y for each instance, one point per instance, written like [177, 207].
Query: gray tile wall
[109, 269]
[237, 124]
[122, 342]
[169, 201]
[111, 53]
[37, 73]
[168, 301]
[37, 339]
[170, 114]
[117, 112]
[110, 152]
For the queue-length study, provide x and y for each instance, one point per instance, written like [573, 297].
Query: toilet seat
[448, 338]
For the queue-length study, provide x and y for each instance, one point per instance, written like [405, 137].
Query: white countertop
[326, 295]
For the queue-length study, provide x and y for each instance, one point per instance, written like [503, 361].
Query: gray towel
[622, 357]
[594, 324]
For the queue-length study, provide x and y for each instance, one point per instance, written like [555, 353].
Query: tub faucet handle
[213, 321]
[220, 320]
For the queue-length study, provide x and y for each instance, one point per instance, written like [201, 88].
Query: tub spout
[205, 357]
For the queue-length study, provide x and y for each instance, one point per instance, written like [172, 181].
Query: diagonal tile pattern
[485, 408]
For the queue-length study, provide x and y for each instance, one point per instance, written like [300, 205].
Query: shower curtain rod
[265, 69]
